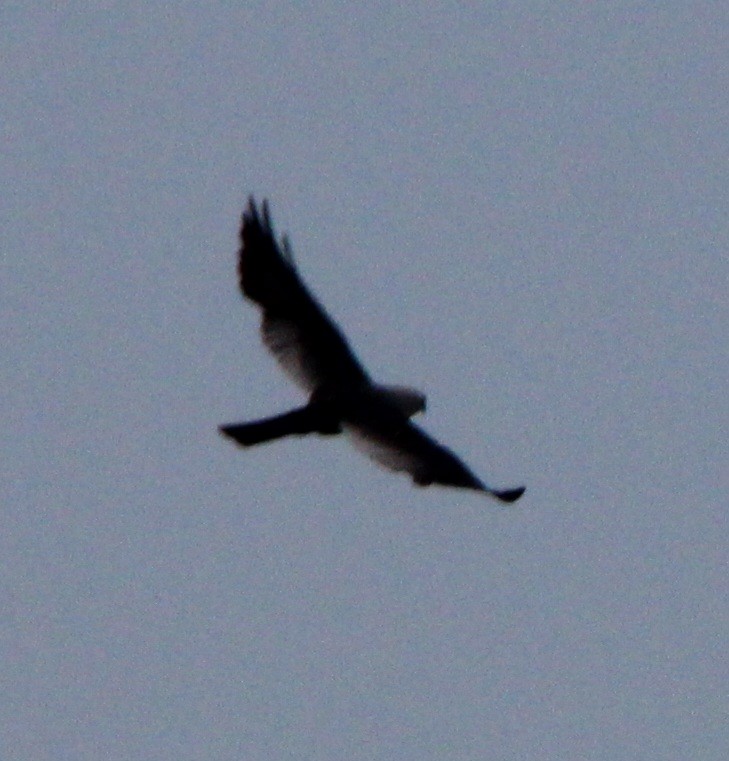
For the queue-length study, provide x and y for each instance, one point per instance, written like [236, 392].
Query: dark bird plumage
[342, 398]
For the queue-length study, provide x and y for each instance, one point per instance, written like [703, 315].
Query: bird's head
[408, 400]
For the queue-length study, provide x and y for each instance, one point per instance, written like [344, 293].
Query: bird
[342, 397]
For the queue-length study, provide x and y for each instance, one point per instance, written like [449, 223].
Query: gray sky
[519, 208]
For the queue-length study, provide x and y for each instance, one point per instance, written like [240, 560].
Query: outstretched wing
[403, 446]
[295, 328]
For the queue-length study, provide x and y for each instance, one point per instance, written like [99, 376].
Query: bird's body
[342, 397]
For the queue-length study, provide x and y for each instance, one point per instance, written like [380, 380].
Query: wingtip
[255, 218]
[509, 495]
[249, 215]
[251, 211]
[266, 214]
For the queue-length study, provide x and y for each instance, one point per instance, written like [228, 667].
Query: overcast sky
[521, 209]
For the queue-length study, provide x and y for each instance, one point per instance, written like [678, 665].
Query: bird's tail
[297, 422]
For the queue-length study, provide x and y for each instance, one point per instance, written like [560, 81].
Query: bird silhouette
[343, 398]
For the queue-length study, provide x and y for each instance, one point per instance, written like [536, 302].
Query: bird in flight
[343, 398]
